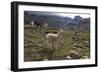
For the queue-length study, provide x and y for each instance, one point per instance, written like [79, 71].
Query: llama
[37, 24]
[45, 25]
[32, 23]
[53, 38]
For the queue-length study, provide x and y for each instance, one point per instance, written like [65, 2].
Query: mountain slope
[57, 21]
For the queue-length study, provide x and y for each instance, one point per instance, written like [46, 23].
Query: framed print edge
[96, 36]
[14, 36]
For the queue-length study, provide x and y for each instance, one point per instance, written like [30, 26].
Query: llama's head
[61, 30]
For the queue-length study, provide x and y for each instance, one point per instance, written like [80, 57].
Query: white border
[22, 64]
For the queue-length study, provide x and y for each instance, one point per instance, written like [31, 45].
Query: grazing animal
[45, 25]
[53, 38]
[37, 24]
[32, 23]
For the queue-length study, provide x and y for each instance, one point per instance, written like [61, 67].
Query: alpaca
[53, 38]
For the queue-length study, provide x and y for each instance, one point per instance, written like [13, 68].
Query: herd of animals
[37, 24]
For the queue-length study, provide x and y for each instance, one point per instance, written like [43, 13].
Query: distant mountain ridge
[57, 21]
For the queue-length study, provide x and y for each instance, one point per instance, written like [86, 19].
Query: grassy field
[36, 46]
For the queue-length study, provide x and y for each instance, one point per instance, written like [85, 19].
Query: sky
[68, 14]
[73, 15]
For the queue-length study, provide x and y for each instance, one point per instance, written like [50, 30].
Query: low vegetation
[36, 46]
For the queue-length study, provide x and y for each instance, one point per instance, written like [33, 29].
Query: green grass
[36, 48]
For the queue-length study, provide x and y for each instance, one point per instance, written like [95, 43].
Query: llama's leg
[56, 46]
[49, 43]
[52, 42]
[59, 41]
[56, 43]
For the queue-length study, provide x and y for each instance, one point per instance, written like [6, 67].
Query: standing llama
[32, 23]
[53, 37]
